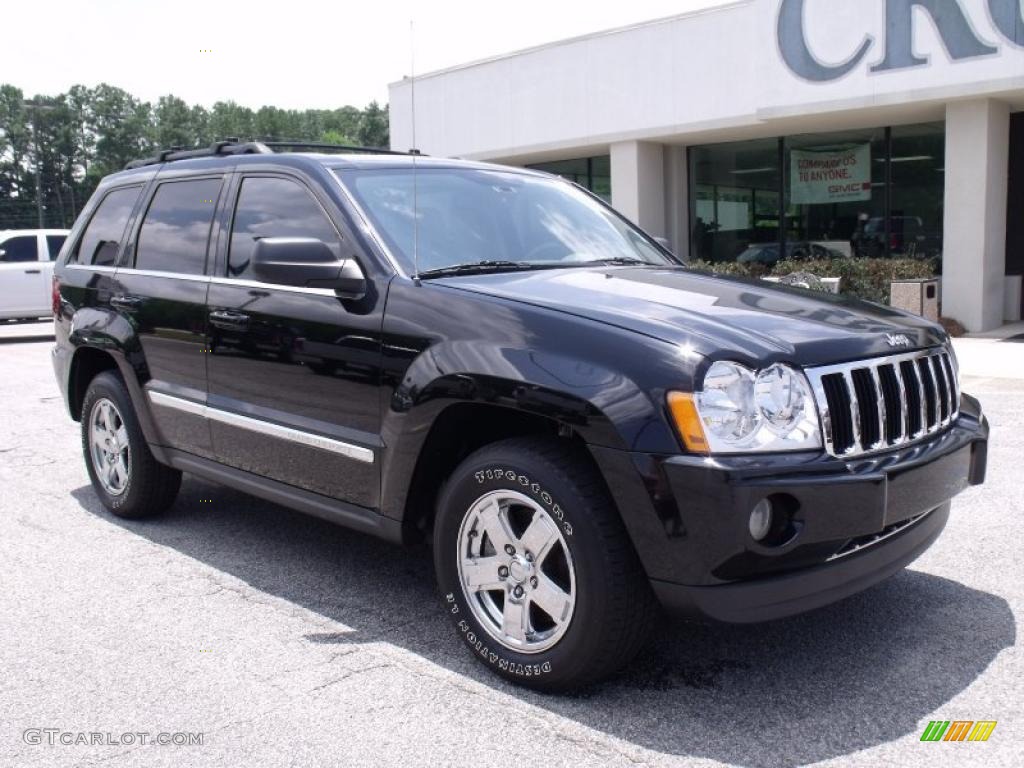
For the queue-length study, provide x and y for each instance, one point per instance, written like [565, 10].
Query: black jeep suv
[493, 360]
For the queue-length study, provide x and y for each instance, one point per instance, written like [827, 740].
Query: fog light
[761, 519]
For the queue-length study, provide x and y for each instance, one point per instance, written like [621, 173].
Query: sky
[293, 54]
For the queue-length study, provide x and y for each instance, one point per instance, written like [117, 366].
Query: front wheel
[537, 571]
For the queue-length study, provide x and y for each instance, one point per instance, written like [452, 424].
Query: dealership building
[884, 128]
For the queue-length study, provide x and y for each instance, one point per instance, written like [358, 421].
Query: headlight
[726, 406]
[782, 397]
[738, 410]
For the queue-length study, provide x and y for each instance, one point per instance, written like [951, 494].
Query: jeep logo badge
[897, 340]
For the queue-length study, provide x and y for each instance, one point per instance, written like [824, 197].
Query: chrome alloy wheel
[108, 446]
[516, 571]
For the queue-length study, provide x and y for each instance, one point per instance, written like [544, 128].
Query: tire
[521, 493]
[139, 486]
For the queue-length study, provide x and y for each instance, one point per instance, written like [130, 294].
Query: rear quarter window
[101, 241]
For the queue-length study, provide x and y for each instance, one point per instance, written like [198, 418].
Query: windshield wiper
[616, 261]
[488, 265]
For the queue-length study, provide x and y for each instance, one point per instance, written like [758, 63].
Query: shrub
[750, 269]
[862, 278]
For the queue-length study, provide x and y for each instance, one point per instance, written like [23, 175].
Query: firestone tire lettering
[498, 473]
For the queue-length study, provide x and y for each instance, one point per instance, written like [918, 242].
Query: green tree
[336, 137]
[122, 125]
[16, 187]
[344, 120]
[200, 120]
[86, 133]
[227, 119]
[272, 123]
[173, 123]
[373, 126]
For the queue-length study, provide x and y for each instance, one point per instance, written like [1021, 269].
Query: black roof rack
[232, 146]
[225, 147]
[319, 145]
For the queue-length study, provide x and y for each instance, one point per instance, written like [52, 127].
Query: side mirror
[308, 263]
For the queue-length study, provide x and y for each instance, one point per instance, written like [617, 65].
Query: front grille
[872, 405]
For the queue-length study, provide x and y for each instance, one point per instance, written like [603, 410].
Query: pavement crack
[342, 678]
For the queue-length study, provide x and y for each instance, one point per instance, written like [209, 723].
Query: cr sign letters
[952, 24]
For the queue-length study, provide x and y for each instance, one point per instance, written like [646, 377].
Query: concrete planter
[920, 296]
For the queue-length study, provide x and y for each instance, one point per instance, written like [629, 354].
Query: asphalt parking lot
[286, 641]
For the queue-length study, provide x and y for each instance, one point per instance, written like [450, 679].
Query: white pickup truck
[26, 271]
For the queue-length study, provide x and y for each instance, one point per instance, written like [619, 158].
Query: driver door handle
[228, 320]
[32, 271]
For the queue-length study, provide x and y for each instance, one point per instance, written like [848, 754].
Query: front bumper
[808, 588]
[850, 523]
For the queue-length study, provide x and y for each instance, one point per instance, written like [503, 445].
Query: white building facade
[886, 128]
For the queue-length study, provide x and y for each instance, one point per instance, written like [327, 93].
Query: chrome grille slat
[947, 364]
[931, 393]
[851, 393]
[824, 415]
[844, 399]
[880, 407]
[942, 395]
[904, 425]
[922, 398]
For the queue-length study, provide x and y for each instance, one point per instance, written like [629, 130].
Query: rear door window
[101, 242]
[176, 230]
[19, 248]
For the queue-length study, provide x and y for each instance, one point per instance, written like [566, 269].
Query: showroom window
[593, 173]
[835, 194]
[918, 187]
[872, 193]
[735, 199]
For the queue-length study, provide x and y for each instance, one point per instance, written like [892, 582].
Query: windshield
[466, 216]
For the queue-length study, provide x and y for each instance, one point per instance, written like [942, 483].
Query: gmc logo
[949, 18]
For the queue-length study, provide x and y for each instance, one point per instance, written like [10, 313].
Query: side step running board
[338, 512]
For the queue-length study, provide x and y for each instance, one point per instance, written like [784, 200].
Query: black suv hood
[716, 316]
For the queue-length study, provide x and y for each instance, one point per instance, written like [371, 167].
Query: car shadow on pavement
[841, 679]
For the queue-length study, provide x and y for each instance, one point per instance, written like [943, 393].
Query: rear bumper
[849, 523]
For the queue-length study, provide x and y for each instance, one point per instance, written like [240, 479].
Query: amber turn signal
[687, 420]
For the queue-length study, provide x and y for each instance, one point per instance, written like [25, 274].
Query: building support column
[638, 184]
[974, 227]
[677, 201]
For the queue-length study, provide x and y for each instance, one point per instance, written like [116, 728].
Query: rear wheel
[537, 571]
[124, 474]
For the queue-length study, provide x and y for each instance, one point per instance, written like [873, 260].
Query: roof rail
[225, 147]
[318, 145]
[232, 146]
